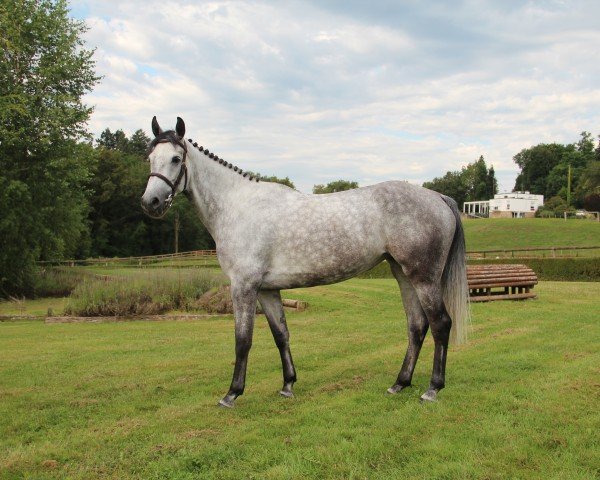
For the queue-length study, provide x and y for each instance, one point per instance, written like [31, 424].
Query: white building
[506, 204]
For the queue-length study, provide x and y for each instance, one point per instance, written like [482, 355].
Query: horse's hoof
[395, 389]
[429, 396]
[225, 402]
[286, 393]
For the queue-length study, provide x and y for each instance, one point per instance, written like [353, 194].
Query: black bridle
[182, 170]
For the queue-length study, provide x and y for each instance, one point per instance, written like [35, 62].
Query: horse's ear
[180, 128]
[156, 130]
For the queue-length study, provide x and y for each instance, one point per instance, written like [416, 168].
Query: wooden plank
[486, 281]
[513, 296]
[509, 284]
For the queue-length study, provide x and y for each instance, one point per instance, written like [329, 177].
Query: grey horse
[271, 237]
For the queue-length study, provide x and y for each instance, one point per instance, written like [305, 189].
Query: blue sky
[365, 91]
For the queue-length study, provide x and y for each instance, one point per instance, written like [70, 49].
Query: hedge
[558, 269]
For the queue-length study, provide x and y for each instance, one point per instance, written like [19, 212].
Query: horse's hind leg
[270, 301]
[417, 328]
[430, 296]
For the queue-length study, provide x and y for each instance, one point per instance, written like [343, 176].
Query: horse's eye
[175, 159]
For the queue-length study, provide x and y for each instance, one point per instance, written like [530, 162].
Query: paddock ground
[138, 399]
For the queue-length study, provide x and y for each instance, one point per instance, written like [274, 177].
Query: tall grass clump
[145, 293]
[56, 281]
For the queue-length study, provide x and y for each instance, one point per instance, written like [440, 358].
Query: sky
[367, 91]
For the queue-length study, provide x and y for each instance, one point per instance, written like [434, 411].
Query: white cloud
[365, 91]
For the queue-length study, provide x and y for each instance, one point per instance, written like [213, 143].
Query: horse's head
[168, 170]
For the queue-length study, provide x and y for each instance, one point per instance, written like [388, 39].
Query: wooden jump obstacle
[500, 282]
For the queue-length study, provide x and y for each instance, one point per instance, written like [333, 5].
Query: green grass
[137, 399]
[38, 307]
[506, 233]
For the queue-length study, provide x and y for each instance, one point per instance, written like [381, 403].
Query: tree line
[567, 175]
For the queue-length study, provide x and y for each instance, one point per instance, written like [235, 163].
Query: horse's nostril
[155, 202]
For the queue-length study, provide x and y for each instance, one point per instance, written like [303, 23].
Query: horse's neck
[210, 184]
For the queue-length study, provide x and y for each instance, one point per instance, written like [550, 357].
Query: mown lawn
[507, 233]
[138, 399]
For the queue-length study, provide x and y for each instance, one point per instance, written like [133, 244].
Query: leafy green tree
[536, 163]
[45, 70]
[264, 178]
[284, 181]
[545, 168]
[471, 183]
[336, 186]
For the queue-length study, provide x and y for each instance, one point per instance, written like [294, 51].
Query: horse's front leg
[243, 295]
[270, 301]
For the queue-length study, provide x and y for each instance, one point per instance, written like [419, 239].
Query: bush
[560, 269]
[56, 281]
[145, 293]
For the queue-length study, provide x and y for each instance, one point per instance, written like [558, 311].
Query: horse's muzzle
[154, 207]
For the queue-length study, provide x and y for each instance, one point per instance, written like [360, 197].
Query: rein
[182, 171]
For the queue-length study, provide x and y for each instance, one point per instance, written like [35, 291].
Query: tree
[114, 141]
[545, 168]
[336, 186]
[491, 183]
[138, 143]
[263, 178]
[283, 181]
[45, 70]
[473, 182]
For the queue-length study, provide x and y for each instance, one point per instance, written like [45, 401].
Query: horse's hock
[500, 282]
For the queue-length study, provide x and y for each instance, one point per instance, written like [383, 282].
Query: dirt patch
[355, 381]
[50, 464]
[204, 432]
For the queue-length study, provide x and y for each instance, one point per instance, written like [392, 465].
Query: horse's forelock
[169, 136]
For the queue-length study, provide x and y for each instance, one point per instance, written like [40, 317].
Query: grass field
[507, 233]
[137, 399]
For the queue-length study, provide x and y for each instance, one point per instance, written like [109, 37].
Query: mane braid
[215, 158]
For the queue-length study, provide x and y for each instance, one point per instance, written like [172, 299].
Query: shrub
[561, 269]
[56, 281]
[146, 293]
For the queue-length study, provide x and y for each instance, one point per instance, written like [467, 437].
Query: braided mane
[172, 137]
[222, 162]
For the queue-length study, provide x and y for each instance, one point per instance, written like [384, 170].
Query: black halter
[182, 170]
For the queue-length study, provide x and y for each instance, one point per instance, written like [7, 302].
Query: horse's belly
[307, 273]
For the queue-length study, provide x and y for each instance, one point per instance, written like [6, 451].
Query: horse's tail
[454, 280]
